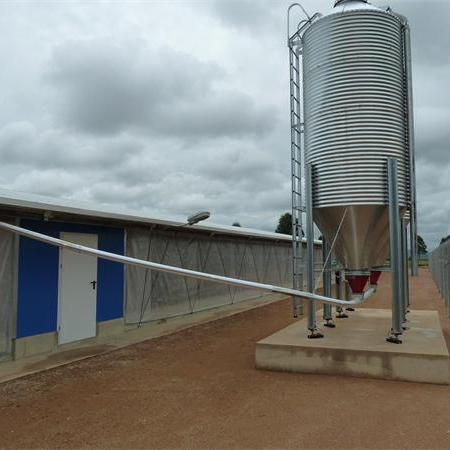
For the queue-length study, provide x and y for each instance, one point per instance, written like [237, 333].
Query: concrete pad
[357, 347]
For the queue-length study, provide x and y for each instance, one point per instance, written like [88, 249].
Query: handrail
[303, 23]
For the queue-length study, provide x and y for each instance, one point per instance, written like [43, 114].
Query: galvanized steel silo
[356, 116]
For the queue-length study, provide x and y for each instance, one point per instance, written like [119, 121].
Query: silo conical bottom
[363, 239]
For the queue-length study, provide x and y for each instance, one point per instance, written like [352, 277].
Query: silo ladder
[298, 207]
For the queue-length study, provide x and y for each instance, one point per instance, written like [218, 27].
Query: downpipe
[182, 272]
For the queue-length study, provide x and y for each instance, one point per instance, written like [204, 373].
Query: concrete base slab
[357, 347]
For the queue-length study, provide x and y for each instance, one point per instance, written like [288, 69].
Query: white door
[77, 304]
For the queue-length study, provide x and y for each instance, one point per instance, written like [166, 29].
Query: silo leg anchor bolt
[393, 338]
[404, 326]
[329, 323]
[315, 334]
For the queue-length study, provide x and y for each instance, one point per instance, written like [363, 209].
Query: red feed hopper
[374, 276]
[357, 282]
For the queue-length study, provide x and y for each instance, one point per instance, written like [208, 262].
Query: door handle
[94, 283]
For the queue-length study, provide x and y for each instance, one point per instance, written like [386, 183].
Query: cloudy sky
[169, 107]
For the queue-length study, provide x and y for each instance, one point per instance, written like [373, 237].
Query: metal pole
[444, 281]
[411, 148]
[405, 282]
[446, 285]
[339, 283]
[348, 295]
[312, 326]
[327, 312]
[395, 253]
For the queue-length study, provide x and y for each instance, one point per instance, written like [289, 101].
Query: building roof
[58, 208]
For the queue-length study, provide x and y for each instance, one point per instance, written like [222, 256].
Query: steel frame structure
[398, 226]
[294, 43]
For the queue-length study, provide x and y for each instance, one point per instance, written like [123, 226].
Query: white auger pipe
[178, 270]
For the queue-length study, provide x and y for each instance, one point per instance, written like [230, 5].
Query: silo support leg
[405, 270]
[339, 281]
[326, 258]
[395, 254]
[312, 325]
[348, 295]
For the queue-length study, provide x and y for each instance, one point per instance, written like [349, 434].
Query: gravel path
[199, 389]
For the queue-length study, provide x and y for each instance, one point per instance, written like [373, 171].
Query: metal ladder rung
[293, 66]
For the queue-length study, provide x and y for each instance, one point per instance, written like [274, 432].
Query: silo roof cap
[338, 2]
[352, 5]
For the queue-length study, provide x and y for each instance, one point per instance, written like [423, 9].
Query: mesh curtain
[6, 293]
[154, 295]
[439, 263]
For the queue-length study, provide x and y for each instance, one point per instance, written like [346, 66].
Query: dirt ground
[199, 389]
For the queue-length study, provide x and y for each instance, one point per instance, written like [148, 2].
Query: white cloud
[171, 107]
